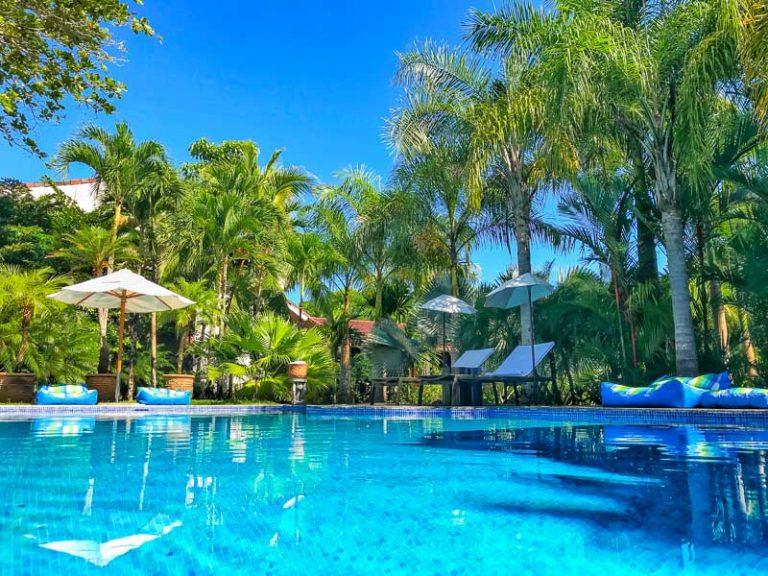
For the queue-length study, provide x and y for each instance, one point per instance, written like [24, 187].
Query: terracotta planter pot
[184, 382]
[297, 370]
[104, 384]
[17, 387]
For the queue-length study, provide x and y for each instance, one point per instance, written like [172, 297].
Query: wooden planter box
[104, 384]
[17, 387]
[184, 382]
[297, 370]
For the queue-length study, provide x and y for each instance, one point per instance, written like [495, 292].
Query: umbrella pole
[533, 351]
[120, 334]
[444, 363]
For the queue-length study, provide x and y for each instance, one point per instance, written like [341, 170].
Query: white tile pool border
[544, 413]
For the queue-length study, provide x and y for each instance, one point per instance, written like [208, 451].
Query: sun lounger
[469, 362]
[519, 367]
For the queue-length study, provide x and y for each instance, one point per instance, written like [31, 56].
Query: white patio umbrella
[447, 304]
[524, 289]
[124, 290]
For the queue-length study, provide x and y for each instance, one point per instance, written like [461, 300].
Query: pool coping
[583, 414]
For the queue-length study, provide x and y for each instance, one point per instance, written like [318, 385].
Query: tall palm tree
[450, 92]
[156, 197]
[305, 255]
[123, 169]
[342, 271]
[372, 217]
[442, 224]
[652, 80]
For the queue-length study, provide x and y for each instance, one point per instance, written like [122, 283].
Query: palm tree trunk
[378, 310]
[719, 319]
[454, 261]
[26, 319]
[153, 347]
[182, 348]
[687, 362]
[301, 302]
[749, 350]
[346, 352]
[103, 341]
[521, 214]
[523, 241]
[223, 293]
[703, 296]
[132, 329]
[619, 321]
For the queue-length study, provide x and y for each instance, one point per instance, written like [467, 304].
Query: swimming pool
[360, 494]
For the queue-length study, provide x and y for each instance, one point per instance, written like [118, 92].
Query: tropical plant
[24, 297]
[270, 343]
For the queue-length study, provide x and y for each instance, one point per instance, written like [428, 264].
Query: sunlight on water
[290, 494]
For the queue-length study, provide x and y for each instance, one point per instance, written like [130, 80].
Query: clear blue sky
[311, 77]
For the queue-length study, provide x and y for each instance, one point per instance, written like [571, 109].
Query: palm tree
[342, 271]
[123, 169]
[186, 319]
[88, 250]
[374, 217]
[597, 218]
[652, 80]
[451, 93]
[442, 226]
[27, 291]
[232, 211]
[304, 255]
[159, 194]
[94, 250]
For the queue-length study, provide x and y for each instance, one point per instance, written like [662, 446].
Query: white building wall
[81, 191]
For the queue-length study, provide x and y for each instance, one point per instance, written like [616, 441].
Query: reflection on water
[689, 485]
[285, 494]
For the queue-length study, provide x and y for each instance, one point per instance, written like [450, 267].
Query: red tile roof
[73, 182]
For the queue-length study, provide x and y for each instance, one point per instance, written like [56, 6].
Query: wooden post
[120, 334]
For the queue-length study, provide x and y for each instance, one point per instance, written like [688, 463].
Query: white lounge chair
[519, 367]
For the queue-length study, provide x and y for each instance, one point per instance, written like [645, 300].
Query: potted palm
[23, 295]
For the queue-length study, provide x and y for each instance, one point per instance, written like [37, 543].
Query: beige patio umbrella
[124, 290]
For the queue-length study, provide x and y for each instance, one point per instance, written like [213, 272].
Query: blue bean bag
[163, 396]
[70, 394]
[664, 393]
[736, 398]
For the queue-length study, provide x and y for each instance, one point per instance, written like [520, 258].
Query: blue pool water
[305, 494]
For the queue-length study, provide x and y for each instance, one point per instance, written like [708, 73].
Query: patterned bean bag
[70, 394]
[664, 393]
[736, 398]
[710, 382]
[163, 396]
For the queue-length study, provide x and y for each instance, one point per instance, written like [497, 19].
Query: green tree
[270, 343]
[123, 170]
[452, 92]
[56, 50]
[24, 294]
[653, 80]
[305, 256]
